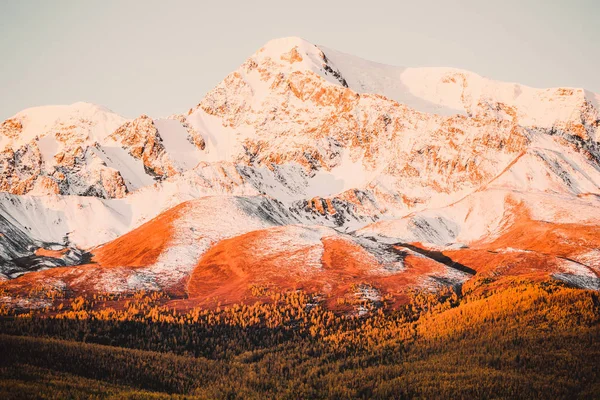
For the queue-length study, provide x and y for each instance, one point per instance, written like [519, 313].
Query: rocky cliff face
[86, 150]
[51, 150]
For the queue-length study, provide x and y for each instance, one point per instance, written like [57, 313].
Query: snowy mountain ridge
[362, 155]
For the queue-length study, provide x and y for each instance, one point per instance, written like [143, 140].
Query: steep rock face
[20, 169]
[23, 171]
[141, 138]
[84, 149]
[50, 150]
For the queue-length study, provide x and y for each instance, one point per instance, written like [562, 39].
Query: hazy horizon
[160, 58]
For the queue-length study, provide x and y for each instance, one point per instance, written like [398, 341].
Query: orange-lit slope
[142, 246]
[161, 253]
[538, 250]
[217, 249]
[314, 259]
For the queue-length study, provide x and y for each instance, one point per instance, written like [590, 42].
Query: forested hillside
[524, 341]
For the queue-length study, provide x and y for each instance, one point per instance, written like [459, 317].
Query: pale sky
[161, 57]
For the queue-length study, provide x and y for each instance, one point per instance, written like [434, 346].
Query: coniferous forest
[524, 340]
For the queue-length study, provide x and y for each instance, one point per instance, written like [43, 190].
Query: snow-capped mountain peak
[92, 120]
[440, 155]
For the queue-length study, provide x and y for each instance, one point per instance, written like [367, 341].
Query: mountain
[307, 168]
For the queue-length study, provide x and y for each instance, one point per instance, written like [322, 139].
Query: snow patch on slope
[131, 170]
[183, 153]
[82, 221]
[417, 88]
[577, 274]
[48, 148]
[301, 244]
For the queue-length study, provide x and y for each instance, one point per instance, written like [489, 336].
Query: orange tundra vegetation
[141, 246]
[333, 267]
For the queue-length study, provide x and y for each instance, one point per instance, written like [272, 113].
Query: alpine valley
[310, 175]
